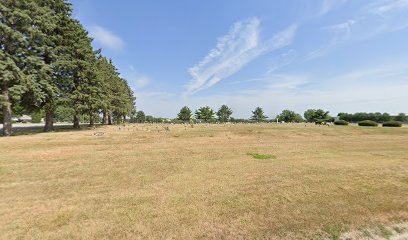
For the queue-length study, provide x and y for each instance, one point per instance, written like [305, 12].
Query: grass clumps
[392, 124]
[261, 156]
[368, 123]
[341, 122]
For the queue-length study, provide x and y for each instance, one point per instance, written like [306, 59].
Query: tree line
[224, 114]
[47, 65]
[376, 117]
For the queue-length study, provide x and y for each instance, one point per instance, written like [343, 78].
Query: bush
[368, 123]
[341, 122]
[392, 124]
[36, 117]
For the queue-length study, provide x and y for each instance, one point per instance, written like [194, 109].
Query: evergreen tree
[107, 74]
[22, 67]
[83, 90]
[204, 113]
[58, 14]
[184, 114]
[224, 113]
[47, 63]
[258, 115]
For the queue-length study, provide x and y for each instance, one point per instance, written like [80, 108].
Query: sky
[338, 55]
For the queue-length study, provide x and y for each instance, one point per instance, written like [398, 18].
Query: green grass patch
[261, 156]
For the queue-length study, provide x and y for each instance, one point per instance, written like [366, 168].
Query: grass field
[207, 182]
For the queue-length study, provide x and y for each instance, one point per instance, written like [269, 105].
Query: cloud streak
[107, 38]
[384, 7]
[377, 18]
[329, 5]
[234, 51]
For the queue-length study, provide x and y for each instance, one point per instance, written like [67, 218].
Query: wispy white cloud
[234, 51]
[379, 17]
[341, 32]
[106, 38]
[386, 6]
[137, 79]
[282, 60]
[329, 5]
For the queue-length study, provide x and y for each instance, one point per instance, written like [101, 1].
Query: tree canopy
[316, 115]
[361, 116]
[184, 114]
[204, 113]
[289, 116]
[224, 113]
[258, 115]
[47, 64]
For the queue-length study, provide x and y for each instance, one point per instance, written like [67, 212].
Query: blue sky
[339, 55]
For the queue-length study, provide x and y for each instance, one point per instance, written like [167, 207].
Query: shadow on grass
[33, 130]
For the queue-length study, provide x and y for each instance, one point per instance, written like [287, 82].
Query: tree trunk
[76, 122]
[109, 120]
[91, 120]
[105, 120]
[49, 118]
[7, 124]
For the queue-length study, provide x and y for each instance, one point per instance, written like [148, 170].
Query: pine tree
[224, 113]
[204, 113]
[258, 115]
[184, 114]
[57, 13]
[22, 45]
[47, 62]
[82, 88]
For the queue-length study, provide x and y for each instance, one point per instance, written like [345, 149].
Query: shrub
[392, 124]
[341, 122]
[368, 123]
[36, 117]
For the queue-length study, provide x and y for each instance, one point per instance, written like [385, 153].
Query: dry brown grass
[143, 181]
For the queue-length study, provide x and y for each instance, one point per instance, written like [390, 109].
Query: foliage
[361, 116]
[341, 122]
[392, 124]
[47, 62]
[140, 117]
[258, 115]
[289, 116]
[224, 113]
[315, 115]
[368, 123]
[204, 113]
[63, 114]
[402, 117]
[239, 120]
[184, 114]
[36, 117]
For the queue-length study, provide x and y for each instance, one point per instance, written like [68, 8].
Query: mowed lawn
[203, 182]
